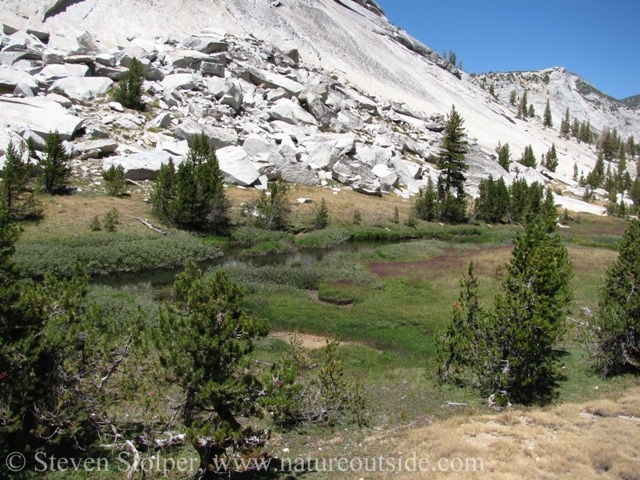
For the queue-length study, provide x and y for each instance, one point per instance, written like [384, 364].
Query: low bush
[302, 277]
[325, 238]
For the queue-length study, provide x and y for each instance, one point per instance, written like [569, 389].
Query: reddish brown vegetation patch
[485, 262]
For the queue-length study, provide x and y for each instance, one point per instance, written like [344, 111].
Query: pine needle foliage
[129, 90]
[55, 169]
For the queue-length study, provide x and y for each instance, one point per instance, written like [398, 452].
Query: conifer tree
[511, 354]
[552, 158]
[129, 90]
[426, 205]
[492, 204]
[548, 118]
[321, 216]
[461, 344]
[504, 155]
[531, 112]
[565, 126]
[492, 92]
[18, 200]
[270, 211]
[616, 325]
[513, 97]
[522, 106]
[530, 317]
[451, 162]
[192, 196]
[528, 157]
[596, 177]
[205, 338]
[55, 171]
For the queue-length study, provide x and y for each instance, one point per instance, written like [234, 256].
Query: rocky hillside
[567, 90]
[357, 101]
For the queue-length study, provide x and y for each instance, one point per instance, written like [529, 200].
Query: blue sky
[597, 40]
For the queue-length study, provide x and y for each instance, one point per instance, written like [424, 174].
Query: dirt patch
[310, 342]
[485, 263]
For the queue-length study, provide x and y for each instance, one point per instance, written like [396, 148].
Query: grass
[325, 238]
[104, 253]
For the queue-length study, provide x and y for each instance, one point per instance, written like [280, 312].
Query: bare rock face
[39, 115]
[82, 89]
[237, 167]
[141, 166]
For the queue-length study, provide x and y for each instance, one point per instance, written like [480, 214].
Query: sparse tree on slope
[129, 90]
[528, 157]
[522, 107]
[504, 155]
[548, 119]
[565, 125]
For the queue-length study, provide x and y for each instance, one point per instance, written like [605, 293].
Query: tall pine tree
[451, 162]
[548, 118]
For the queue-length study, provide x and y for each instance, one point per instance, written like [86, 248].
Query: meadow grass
[103, 253]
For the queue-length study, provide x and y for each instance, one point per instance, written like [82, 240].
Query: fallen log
[148, 225]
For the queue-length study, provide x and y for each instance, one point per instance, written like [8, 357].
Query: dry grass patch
[70, 215]
[374, 210]
[599, 439]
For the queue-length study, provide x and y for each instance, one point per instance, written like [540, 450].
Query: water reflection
[158, 284]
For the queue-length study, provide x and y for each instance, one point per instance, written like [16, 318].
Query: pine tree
[192, 196]
[55, 171]
[452, 58]
[528, 157]
[596, 177]
[522, 106]
[205, 338]
[548, 118]
[529, 317]
[321, 216]
[492, 204]
[552, 158]
[492, 92]
[18, 200]
[164, 192]
[504, 155]
[531, 112]
[115, 181]
[565, 126]
[513, 98]
[129, 90]
[461, 344]
[426, 205]
[451, 162]
[271, 211]
[616, 325]
[512, 353]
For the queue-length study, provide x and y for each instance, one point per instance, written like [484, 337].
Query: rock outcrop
[337, 94]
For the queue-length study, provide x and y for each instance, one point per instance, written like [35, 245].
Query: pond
[158, 284]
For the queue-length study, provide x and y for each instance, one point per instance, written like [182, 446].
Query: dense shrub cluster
[103, 253]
